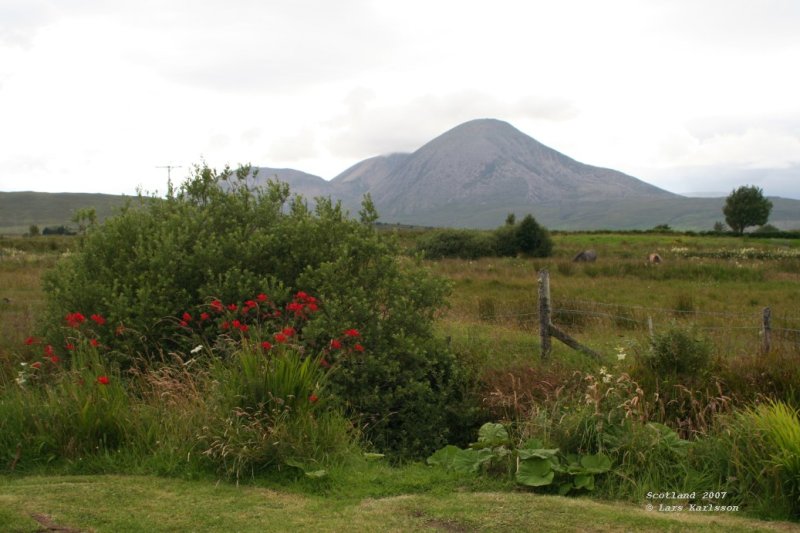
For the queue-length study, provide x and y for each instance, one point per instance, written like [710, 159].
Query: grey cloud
[267, 46]
[295, 147]
[706, 127]
[722, 180]
[738, 24]
[21, 19]
[369, 129]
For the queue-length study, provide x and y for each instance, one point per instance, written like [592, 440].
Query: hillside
[18, 210]
[492, 164]
[470, 176]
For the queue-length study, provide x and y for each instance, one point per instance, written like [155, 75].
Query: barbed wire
[662, 309]
[555, 310]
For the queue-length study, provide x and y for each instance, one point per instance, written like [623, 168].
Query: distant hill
[470, 176]
[18, 210]
[478, 172]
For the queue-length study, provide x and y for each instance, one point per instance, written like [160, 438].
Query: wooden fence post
[544, 313]
[766, 330]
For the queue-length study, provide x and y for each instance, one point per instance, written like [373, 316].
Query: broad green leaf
[466, 461]
[564, 488]
[492, 434]
[535, 472]
[598, 463]
[584, 481]
[541, 453]
[444, 457]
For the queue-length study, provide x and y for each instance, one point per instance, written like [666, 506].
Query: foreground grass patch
[119, 504]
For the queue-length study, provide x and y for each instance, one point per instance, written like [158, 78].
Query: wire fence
[580, 314]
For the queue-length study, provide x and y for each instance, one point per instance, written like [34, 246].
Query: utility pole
[169, 170]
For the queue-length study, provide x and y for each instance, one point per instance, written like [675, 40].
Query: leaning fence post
[544, 313]
[766, 330]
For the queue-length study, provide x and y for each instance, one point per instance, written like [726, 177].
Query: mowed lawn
[119, 503]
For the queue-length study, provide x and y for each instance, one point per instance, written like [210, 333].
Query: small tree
[33, 230]
[745, 207]
[532, 239]
[85, 218]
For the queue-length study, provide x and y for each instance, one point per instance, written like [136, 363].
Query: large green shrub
[143, 268]
[527, 238]
[464, 244]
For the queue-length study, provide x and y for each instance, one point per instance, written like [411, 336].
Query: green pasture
[714, 285]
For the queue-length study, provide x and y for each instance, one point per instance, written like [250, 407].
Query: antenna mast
[169, 169]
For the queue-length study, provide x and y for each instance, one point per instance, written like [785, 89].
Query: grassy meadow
[704, 429]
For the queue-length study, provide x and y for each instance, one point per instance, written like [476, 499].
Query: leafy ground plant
[532, 464]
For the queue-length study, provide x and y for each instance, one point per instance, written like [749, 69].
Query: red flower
[266, 345]
[204, 317]
[313, 398]
[261, 297]
[74, 319]
[233, 307]
[352, 333]
[48, 351]
[243, 328]
[358, 348]
[54, 359]
[295, 307]
[324, 364]
[249, 304]
[217, 306]
[94, 343]
[37, 364]
[183, 324]
[312, 307]
[236, 324]
[301, 295]
[288, 331]
[103, 380]
[99, 320]
[280, 338]
[70, 346]
[186, 317]
[225, 325]
[31, 340]
[336, 344]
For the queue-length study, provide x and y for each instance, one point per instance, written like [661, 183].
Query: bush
[678, 352]
[145, 267]
[463, 244]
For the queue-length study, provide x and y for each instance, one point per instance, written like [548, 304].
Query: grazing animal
[586, 256]
[654, 259]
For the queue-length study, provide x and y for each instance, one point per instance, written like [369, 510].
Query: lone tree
[746, 206]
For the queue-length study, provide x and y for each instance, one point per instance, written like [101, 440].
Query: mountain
[362, 177]
[490, 163]
[470, 176]
[300, 182]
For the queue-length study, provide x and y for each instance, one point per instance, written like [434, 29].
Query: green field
[716, 287]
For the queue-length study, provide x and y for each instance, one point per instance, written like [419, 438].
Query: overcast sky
[690, 95]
